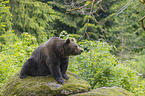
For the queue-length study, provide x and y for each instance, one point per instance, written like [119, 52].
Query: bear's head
[71, 48]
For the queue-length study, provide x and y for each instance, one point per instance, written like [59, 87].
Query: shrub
[96, 64]
[140, 62]
[14, 53]
[100, 68]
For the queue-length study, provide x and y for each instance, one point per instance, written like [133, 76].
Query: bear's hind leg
[23, 72]
[22, 76]
[28, 69]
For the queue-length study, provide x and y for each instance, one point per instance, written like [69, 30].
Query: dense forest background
[112, 33]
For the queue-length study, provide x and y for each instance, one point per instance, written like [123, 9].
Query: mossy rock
[44, 86]
[106, 91]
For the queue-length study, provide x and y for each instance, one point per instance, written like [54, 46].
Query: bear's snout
[82, 50]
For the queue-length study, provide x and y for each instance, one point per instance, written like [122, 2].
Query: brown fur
[51, 58]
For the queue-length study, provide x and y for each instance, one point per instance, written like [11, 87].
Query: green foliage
[32, 17]
[38, 19]
[129, 79]
[96, 64]
[100, 68]
[5, 16]
[122, 29]
[44, 19]
[64, 35]
[139, 64]
[77, 14]
[14, 53]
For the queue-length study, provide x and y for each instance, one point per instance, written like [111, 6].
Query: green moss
[106, 91]
[0, 92]
[44, 85]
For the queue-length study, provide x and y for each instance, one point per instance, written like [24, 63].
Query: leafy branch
[91, 14]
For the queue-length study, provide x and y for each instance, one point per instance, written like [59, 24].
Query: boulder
[106, 91]
[47, 86]
[44, 86]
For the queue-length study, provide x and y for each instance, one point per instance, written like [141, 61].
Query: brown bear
[51, 58]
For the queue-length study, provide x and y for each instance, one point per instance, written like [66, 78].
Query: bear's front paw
[60, 81]
[65, 76]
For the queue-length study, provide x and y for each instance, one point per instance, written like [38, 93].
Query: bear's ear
[67, 41]
[72, 39]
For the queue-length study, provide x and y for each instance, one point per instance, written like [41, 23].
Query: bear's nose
[82, 50]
